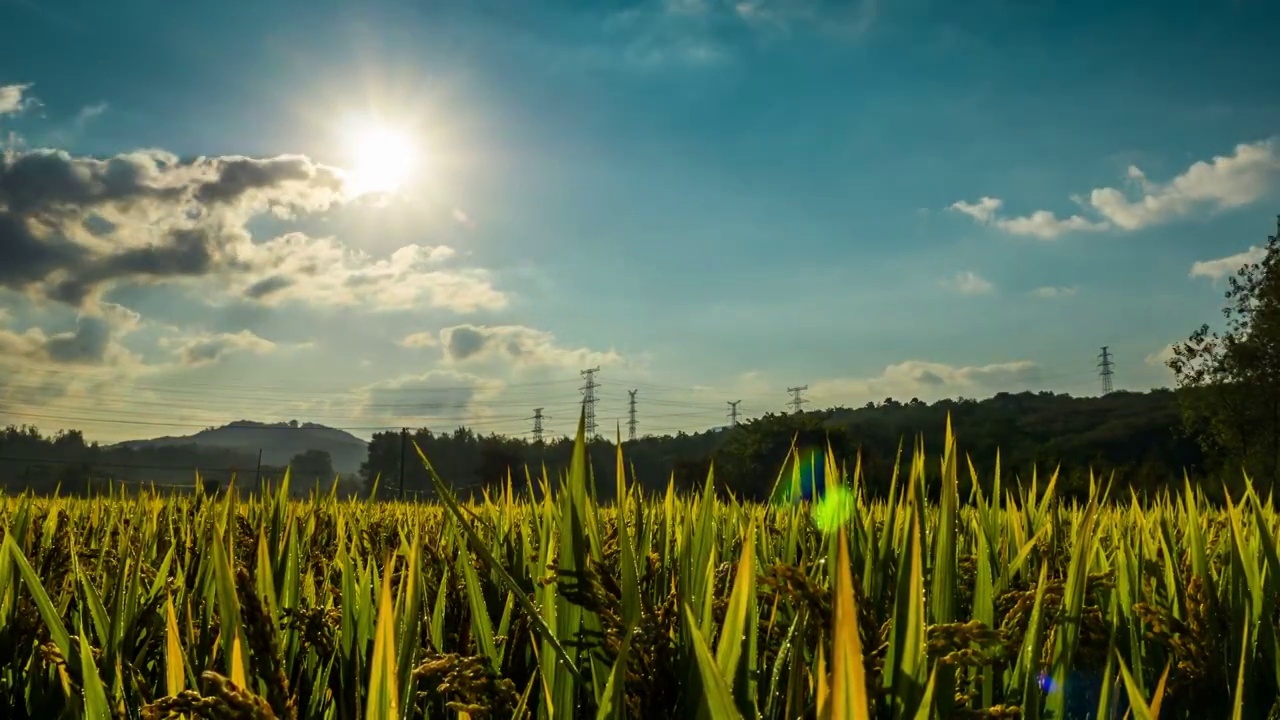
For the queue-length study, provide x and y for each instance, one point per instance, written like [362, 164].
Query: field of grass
[1002, 604]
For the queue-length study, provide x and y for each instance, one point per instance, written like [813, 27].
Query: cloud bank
[1221, 183]
[73, 227]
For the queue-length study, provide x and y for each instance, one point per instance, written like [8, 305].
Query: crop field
[1003, 603]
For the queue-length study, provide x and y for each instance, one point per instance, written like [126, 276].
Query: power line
[631, 415]
[797, 401]
[589, 400]
[733, 412]
[1106, 372]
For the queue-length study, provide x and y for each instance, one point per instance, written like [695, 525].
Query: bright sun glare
[384, 159]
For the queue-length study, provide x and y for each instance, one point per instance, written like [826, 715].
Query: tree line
[1222, 417]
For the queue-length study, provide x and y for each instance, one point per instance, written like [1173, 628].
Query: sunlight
[383, 159]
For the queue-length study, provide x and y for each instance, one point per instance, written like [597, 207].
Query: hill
[1137, 435]
[279, 442]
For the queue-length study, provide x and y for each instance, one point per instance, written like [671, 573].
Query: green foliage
[1021, 603]
[1230, 379]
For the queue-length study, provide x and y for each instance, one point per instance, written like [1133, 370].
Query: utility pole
[404, 448]
[537, 426]
[733, 413]
[589, 400]
[797, 401]
[1106, 372]
[631, 415]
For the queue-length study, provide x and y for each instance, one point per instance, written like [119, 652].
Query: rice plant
[539, 602]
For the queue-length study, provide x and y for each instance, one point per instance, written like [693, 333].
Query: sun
[383, 159]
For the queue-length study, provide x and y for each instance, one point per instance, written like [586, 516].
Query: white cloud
[12, 100]
[845, 20]
[419, 340]
[1160, 357]
[208, 348]
[1055, 292]
[323, 271]
[983, 211]
[1226, 181]
[968, 282]
[1045, 225]
[927, 381]
[1041, 224]
[1222, 267]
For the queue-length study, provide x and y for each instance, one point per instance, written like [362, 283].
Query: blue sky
[710, 200]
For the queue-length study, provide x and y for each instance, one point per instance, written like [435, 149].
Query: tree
[1229, 382]
[312, 465]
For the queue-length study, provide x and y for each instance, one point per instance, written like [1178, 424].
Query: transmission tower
[1106, 370]
[537, 426]
[733, 413]
[631, 416]
[589, 400]
[797, 401]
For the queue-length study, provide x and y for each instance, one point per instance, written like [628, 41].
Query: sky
[396, 213]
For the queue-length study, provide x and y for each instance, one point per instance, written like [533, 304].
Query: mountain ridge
[278, 441]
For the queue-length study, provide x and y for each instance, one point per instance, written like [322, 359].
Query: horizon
[365, 434]
[397, 216]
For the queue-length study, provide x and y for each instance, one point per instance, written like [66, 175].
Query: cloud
[1055, 292]
[93, 341]
[927, 381]
[983, 211]
[1222, 267]
[517, 345]
[1041, 224]
[1160, 357]
[968, 282]
[1045, 225]
[419, 340]
[208, 348]
[12, 100]
[1222, 183]
[844, 20]
[71, 227]
[685, 7]
[1226, 181]
[438, 395]
[323, 271]
[38, 366]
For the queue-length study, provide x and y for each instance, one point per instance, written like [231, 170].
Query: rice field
[540, 602]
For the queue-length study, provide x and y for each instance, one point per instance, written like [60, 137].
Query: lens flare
[806, 482]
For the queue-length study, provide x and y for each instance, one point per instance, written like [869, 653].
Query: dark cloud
[237, 176]
[267, 286]
[436, 394]
[41, 181]
[464, 341]
[927, 377]
[25, 259]
[88, 343]
[71, 225]
[93, 341]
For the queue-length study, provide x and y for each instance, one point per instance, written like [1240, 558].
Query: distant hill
[279, 442]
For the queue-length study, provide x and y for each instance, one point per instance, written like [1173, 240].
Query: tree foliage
[1229, 380]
